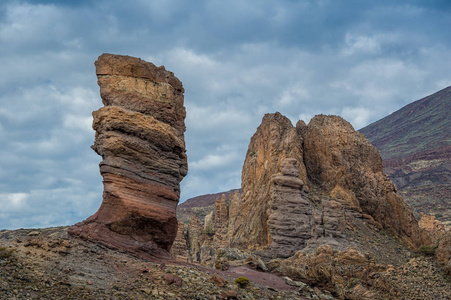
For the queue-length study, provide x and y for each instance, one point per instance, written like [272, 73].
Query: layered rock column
[290, 217]
[140, 136]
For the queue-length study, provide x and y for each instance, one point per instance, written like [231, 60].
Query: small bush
[5, 253]
[427, 250]
[209, 231]
[242, 282]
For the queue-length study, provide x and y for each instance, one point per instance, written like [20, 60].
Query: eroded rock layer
[300, 184]
[140, 136]
[275, 140]
[345, 164]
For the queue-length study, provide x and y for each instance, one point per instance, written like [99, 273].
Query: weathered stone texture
[345, 164]
[275, 140]
[179, 250]
[431, 225]
[140, 136]
[291, 213]
[278, 213]
[443, 252]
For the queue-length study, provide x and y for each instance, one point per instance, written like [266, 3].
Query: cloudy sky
[237, 60]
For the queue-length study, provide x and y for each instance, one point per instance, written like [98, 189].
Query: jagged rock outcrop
[140, 136]
[275, 140]
[435, 228]
[195, 235]
[279, 213]
[221, 222]
[345, 164]
[179, 250]
[290, 217]
[213, 235]
[443, 252]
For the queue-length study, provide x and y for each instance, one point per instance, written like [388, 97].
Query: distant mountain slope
[204, 200]
[415, 143]
[420, 126]
[200, 206]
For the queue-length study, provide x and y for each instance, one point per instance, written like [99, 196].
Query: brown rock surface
[275, 140]
[179, 250]
[435, 228]
[280, 213]
[195, 238]
[443, 252]
[140, 136]
[290, 217]
[345, 164]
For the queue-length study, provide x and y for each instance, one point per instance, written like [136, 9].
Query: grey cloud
[237, 61]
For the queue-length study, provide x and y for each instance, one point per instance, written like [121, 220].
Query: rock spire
[140, 136]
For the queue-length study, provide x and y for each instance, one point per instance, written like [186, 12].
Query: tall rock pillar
[140, 136]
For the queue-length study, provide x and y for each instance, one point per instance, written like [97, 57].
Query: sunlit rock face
[299, 184]
[345, 164]
[140, 136]
[275, 140]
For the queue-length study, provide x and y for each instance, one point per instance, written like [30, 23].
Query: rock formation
[179, 250]
[278, 212]
[435, 228]
[275, 140]
[290, 217]
[345, 164]
[140, 136]
[443, 252]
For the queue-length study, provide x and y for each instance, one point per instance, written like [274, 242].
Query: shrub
[427, 250]
[242, 282]
[5, 253]
[209, 231]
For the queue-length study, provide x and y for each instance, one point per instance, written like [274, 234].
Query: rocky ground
[49, 264]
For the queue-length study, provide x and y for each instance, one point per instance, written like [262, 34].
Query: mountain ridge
[408, 121]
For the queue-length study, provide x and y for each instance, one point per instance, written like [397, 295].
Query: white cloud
[356, 44]
[293, 95]
[13, 201]
[78, 122]
[214, 161]
[210, 118]
[358, 116]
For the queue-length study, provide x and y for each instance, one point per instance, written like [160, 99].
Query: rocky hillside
[205, 200]
[200, 206]
[415, 144]
[316, 205]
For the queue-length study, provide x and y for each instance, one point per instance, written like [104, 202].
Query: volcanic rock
[345, 164]
[443, 252]
[290, 217]
[195, 239]
[179, 249]
[299, 186]
[140, 136]
[435, 228]
[275, 140]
